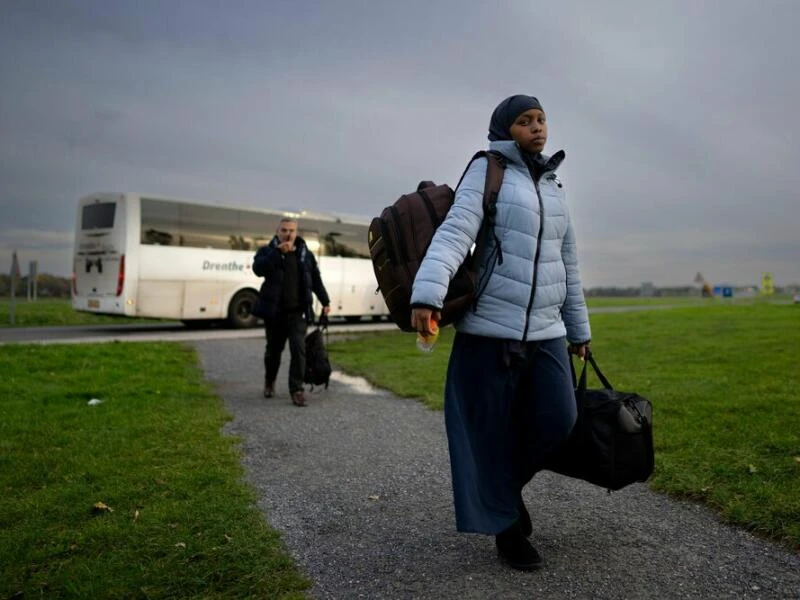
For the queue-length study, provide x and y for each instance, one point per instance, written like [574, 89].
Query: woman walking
[509, 400]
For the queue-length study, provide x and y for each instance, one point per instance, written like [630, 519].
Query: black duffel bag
[611, 444]
[318, 367]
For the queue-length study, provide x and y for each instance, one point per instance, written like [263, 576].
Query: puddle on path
[359, 385]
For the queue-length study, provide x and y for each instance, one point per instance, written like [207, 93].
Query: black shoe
[516, 551]
[524, 520]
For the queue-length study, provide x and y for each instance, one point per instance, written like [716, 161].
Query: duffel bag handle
[322, 324]
[600, 376]
[580, 386]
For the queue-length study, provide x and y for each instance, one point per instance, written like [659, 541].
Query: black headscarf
[505, 114]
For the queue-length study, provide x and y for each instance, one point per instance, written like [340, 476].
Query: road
[167, 332]
[177, 332]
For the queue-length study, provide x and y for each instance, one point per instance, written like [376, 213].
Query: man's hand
[326, 310]
[285, 247]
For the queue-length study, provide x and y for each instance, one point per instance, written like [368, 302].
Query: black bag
[611, 444]
[399, 238]
[318, 367]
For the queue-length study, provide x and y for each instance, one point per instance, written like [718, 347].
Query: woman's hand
[421, 319]
[580, 349]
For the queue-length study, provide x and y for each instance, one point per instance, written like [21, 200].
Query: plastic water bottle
[426, 343]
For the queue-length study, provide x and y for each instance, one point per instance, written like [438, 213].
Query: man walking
[290, 275]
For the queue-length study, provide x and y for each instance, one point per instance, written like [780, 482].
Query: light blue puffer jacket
[559, 307]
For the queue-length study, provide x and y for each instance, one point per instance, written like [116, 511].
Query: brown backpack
[400, 236]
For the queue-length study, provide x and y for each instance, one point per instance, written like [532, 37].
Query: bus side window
[209, 227]
[157, 238]
[346, 240]
[159, 222]
[258, 228]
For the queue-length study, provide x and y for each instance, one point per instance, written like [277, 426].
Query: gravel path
[358, 484]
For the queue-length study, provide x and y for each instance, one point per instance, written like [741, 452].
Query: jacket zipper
[535, 259]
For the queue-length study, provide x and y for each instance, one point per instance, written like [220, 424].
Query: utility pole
[14, 277]
[33, 277]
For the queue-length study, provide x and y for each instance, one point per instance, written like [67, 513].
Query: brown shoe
[269, 389]
[298, 398]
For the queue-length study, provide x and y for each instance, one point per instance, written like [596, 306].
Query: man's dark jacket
[269, 264]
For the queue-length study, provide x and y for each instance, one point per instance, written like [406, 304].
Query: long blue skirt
[505, 414]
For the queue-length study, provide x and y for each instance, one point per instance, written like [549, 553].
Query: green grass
[54, 313]
[724, 383]
[602, 302]
[183, 523]
[59, 312]
[597, 302]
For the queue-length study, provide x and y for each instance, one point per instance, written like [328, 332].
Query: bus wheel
[240, 310]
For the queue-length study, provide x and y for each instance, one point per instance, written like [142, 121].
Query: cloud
[678, 120]
[47, 240]
[47, 248]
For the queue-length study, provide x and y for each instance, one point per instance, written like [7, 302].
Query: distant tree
[5, 286]
[49, 286]
[54, 287]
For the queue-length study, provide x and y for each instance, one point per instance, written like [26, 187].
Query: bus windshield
[99, 215]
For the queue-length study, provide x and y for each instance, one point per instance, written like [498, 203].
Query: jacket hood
[512, 152]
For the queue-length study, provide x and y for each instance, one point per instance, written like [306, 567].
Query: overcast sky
[680, 120]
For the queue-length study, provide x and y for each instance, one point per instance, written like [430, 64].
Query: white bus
[145, 256]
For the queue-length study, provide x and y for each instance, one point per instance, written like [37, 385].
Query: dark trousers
[508, 408]
[292, 327]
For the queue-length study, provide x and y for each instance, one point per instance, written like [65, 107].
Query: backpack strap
[494, 180]
[488, 155]
[495, 169]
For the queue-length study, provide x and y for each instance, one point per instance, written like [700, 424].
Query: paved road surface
[174, 331]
